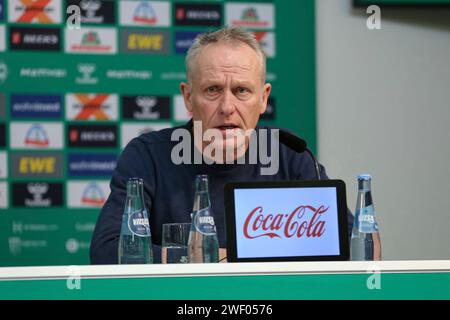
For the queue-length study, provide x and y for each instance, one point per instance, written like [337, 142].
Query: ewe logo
[143, 41]
[37, 164]
[36, 136]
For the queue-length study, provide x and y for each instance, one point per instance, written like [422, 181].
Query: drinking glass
[175, 238]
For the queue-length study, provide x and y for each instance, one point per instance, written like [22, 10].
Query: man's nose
[226, 105]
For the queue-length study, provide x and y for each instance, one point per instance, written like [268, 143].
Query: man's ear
[186, 92]
[265, 97]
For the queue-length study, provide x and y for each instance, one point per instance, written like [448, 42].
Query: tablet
[286, 221]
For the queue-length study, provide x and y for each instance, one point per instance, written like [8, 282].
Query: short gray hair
[232, 35]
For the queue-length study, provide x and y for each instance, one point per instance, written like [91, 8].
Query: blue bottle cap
[364, 177]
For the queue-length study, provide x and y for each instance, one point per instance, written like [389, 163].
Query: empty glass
[175, 238]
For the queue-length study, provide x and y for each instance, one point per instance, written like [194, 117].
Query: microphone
[298, 145]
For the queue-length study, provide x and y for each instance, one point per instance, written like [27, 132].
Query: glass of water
[175, 238]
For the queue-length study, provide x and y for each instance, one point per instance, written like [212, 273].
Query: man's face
[227, 92]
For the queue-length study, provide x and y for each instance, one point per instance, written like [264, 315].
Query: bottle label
[365, 221]
[138, 223]
[204, 222]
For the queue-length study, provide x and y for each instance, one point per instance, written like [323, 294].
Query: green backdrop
[61, 235]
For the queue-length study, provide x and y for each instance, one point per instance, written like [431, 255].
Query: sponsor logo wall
[33, 38]
[71, 100]
[2, 38]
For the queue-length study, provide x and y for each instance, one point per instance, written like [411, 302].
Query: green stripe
[338, 286]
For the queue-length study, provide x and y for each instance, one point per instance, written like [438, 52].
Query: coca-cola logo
[304, 221]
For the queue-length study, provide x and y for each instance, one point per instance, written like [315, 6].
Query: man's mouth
[227, 127]
[228, 130]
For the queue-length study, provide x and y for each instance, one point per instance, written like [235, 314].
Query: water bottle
[365, 242]
[135, 243]
[203, 245]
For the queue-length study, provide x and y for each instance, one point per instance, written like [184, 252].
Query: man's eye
[213, 89]
[242, 90]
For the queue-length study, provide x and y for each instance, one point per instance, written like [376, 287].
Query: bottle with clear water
[203, 245]
[365, 241]
[135, 243]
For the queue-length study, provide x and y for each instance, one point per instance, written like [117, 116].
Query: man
[225, 93]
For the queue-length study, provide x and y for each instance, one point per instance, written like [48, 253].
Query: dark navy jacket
[169, 189]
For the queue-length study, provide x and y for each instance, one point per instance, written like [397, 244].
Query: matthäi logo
[43, 73]
[129, 74]
[86, 70]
